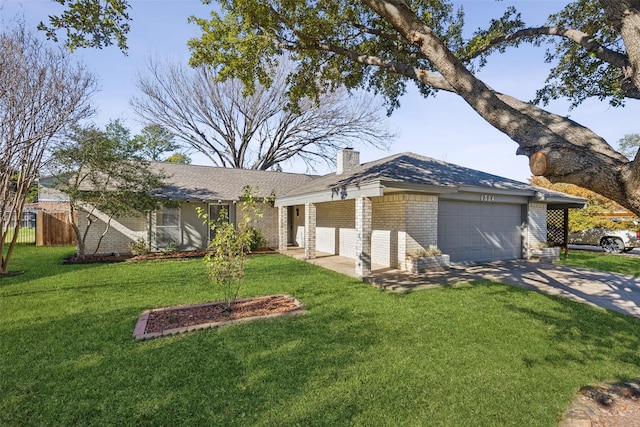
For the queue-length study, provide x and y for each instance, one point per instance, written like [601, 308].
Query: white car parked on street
[611, 241]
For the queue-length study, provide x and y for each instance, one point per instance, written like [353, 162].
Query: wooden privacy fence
[54, 229]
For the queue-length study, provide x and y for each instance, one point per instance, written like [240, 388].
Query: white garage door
[479, 231]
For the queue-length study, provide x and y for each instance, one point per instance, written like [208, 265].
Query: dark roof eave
[423, 188]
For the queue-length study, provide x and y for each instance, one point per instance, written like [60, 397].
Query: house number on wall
[487, 198]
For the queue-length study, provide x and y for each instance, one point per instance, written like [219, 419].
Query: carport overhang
[555, 201]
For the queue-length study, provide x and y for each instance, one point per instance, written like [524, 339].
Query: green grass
[25, 235]
[484, 354]
[603, 262]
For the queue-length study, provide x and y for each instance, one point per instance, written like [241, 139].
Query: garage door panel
[479, 231]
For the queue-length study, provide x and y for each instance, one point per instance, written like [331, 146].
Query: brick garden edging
[141, 325]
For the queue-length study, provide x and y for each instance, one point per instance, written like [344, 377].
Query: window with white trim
[167, 226]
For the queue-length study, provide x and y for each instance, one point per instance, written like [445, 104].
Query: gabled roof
[216, 183]
[409, 171]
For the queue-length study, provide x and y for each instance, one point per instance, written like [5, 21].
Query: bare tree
[42, 92]
[259, 130]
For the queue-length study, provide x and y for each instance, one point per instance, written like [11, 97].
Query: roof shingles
[215, 183]
[410, 168]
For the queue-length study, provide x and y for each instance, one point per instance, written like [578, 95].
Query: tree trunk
[80, 246]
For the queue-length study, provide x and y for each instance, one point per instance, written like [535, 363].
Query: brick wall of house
[335, 227]
[194, 235]
[388, 237]
[403, 223]
[122, 232]
[268, 224]
[421, 224]
[537, 227]
[364, 221]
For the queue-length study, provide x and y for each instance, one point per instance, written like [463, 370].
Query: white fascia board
[373, 189]
[497, 191]
[568, 202]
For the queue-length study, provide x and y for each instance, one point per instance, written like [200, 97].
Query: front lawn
[604, 262]
[485, 354]
[25, 235]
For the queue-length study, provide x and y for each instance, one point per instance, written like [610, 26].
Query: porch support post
[565, 232]
[363, 236]
[310, 230]
[282, 228]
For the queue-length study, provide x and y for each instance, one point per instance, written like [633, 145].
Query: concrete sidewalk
[612, 291]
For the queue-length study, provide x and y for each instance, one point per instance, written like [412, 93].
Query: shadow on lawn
[609, 334]
[86, 369]
[38, 265]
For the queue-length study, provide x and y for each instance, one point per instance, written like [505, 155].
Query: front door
[290, 227]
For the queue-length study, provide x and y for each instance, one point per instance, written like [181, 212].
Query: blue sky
[443, 127]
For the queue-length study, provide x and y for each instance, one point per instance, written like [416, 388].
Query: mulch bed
[108, 258]
[172, 320]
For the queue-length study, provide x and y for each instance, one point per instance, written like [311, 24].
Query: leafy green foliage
[229, 247]
[171, 247]
[90, 23]
[101, 171]
[180, 158]
[579, 74]
[482, 44]
[42, 92]
[592, 217]
[628, 145]
[139, 247]
[257, 239]
[247, 39]
[326, 38]
[154, 141]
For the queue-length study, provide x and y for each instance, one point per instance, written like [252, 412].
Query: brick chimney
[348, 159]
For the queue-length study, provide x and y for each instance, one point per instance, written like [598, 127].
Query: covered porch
[337, 263]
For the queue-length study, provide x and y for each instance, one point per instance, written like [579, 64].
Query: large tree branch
[396, 67]
[574, 153]
[624, 15]
[585, 40]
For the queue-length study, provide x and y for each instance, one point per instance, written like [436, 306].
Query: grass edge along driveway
[481, 354]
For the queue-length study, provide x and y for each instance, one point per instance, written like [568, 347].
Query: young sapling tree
[230, 245]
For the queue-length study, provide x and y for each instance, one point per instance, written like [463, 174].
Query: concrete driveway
[612, 291]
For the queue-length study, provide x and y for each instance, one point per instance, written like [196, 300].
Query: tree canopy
[628, 145]
[103, 171]
[154, 141]
[384, 45]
